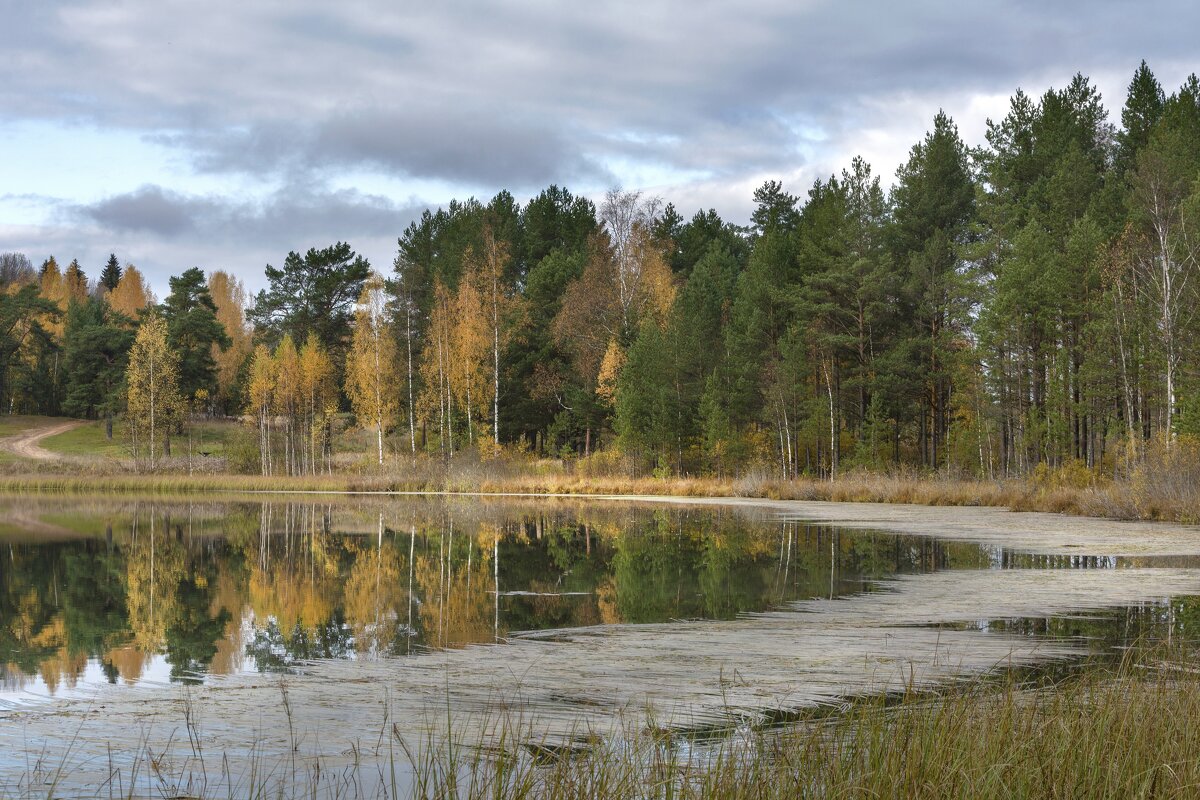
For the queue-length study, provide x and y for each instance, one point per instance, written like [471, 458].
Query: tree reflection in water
[187, 590]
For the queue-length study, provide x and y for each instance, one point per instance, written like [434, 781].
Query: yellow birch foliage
[610, 372]
[375, 596]
[229, 295]
[154, 402]
[372, 375]
[54, 289]
[317, 390]
[261, 385]
[132, 293]
[153, 570]
[471, 345]
[435, 357]
[287, 396]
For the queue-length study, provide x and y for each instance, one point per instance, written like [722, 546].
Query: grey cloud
[216, 232]
[483, 96]
[524, 94]
[150, 209]
[475, 149]
[296, 212]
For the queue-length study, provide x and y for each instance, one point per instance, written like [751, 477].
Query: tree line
[1028, 301]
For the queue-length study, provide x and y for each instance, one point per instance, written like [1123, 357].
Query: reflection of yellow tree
[61, 666]
[297, 591]
[129, 662]
[606, 602]
[154, 567]
[376, 596]
[228, 593]
[457, 590]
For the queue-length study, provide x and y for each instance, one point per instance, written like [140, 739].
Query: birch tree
[1161, 187]
[371, 365]
[154, 402]
[260, 390]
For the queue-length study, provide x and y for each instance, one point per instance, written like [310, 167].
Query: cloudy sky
[224, 134]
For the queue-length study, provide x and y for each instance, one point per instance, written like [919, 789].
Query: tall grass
[1131, 731]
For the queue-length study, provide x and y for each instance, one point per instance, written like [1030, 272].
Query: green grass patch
[87, 440]
[202, 438]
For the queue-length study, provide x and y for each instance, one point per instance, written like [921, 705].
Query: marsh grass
[1126, 731]
[1131, 731]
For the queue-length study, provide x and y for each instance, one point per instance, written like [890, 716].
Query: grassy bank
[1164, 494]
[1163, 485]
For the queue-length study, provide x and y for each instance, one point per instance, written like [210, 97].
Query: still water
[133, 594]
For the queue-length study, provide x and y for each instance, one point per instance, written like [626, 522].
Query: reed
[1164, 487]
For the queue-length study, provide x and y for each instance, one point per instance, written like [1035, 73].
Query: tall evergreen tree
[934, 200]
[314, 293]
[110, 276]
[95, 355]
[192, 331]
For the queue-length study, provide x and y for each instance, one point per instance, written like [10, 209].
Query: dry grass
[1164, 486]
[1124, 732]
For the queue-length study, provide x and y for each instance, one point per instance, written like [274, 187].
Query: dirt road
[26, 443]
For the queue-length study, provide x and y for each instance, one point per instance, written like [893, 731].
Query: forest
[1023, 304]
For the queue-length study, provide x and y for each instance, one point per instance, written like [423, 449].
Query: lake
[306, 629]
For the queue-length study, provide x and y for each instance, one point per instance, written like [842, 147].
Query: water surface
[583, 613]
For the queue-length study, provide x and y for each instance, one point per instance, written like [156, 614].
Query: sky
[225, 134]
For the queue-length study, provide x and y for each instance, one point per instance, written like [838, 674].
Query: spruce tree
[110, 276]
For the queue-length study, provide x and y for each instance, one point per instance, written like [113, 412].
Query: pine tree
[934, 201]
[194, 331]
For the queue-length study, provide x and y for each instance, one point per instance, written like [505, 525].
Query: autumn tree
[470, 346]
[132, 294]
[319, 403]
[627, 280]
[229, 297]
[287, 400]
[371, 365]
[76, 282]
[437, 392]
[153, 400]
[260, 391]
[54, 290]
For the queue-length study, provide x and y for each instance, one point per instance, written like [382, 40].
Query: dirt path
[26, 444]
